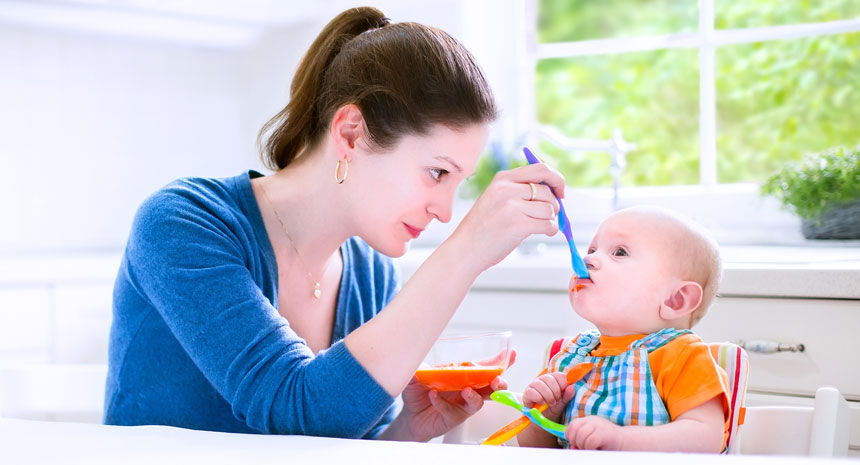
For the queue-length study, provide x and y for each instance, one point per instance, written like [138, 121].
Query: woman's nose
[441, 207]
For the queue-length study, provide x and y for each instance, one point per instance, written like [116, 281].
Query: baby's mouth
[580, 283]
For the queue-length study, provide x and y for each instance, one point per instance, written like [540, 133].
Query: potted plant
[824, 191]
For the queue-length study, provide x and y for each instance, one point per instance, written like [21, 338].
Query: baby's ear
[683, 300]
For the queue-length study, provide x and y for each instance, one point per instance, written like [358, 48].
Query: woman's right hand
[504, 215]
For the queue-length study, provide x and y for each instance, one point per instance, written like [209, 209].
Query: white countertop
[35, 442]
[761, 271]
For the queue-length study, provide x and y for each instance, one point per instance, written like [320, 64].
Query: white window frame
[735, 212]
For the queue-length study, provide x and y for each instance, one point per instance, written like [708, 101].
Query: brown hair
[403, 77]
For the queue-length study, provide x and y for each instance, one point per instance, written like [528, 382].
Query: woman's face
[396, 194]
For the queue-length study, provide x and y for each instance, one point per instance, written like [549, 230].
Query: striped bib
[620, 387]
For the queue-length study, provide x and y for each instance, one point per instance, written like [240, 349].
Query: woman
[244, 304]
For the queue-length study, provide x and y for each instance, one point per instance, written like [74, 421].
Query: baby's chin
[580, 307]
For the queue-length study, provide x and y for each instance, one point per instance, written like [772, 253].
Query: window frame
[757, 220]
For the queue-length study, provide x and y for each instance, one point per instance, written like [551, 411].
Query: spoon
[579, 267]
[508, 398]
[548, 425]
[515, 427]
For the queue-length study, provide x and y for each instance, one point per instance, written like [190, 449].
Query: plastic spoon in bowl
[564, 224]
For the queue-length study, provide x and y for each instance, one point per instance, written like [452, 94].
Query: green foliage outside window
[776, 101]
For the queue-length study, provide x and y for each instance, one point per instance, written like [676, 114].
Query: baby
[654, 385]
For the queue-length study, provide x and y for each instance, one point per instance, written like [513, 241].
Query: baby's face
[630, 262]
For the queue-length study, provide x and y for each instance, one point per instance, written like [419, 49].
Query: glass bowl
[457, 362]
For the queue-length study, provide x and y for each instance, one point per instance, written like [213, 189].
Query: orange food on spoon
[457, 376]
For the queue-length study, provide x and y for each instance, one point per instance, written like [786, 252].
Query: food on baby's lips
[457, 376]
[579, 285]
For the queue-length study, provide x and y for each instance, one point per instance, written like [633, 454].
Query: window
[722, 92]
[715, 94]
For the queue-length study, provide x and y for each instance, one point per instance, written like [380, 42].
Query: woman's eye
[437, 174]
[620, 252]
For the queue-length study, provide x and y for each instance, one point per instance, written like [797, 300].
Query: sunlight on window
[777, 98]
[733, 14]
[569, 20]
[777, 101]
[651, 96]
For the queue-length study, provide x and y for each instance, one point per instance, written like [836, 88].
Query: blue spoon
[564, 224]
[551, 427]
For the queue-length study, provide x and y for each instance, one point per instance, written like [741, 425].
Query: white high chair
[731, 357]
[818, 430]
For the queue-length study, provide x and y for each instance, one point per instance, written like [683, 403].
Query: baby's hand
[550, 389]
[594, 433]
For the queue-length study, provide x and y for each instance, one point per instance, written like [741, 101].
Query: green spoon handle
[546, 423]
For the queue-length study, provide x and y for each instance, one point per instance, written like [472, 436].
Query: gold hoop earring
[345, 171]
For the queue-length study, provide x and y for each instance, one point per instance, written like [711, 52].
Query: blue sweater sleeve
[191, 265]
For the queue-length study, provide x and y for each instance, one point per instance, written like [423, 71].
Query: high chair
[733, 359]
[818, 430]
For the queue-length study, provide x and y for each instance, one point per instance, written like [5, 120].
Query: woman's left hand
[428, 413]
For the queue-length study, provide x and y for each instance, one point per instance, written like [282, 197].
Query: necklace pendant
[317, 291]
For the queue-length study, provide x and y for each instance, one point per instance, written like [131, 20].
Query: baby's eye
[437, 174]
[590, 251]
[620, 252]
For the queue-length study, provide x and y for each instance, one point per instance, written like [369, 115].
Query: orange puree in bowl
[457, 376]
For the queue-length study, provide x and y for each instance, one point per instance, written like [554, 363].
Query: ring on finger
[534, 192]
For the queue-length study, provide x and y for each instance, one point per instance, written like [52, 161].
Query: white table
[34, 442]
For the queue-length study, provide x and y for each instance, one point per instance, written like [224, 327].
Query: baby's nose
[590, 262]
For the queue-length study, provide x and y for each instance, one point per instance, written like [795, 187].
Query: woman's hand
[507, 212]
[428, 413]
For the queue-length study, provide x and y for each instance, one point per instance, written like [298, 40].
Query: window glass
[734, 14]
[570, 20]
[779, 100]
[652, 97]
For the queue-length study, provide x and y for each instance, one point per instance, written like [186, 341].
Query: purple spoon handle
[564, 224]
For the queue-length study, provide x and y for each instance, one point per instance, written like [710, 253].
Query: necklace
[317, 292]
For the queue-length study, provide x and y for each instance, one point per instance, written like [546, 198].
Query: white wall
[93, 122]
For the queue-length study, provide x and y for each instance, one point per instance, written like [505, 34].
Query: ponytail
[403, 77]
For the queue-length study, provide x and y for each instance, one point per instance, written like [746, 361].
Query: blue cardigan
[197, 341]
